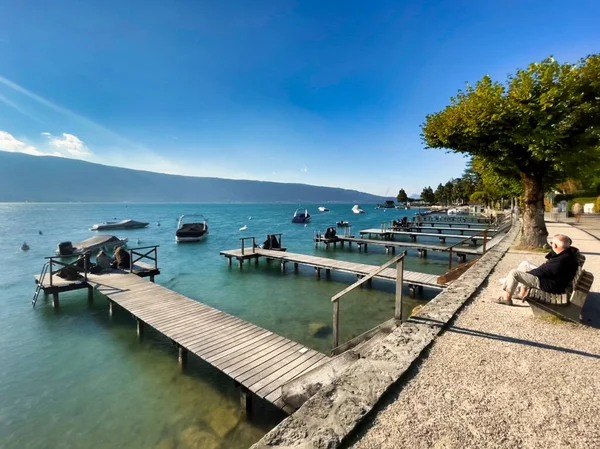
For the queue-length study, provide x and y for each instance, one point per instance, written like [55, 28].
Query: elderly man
[554, 276]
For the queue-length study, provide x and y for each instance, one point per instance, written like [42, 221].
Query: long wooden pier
[389, 233]
[413, 279]
[258, 360]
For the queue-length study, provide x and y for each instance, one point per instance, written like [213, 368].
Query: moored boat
[323, 209]
[123, 224]
[191, 228]
[357, 210]
[343, 224]
[301, 216]
[98, 242]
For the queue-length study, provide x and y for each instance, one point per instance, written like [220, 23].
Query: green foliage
[427, 195]
[597, 205]
[402, 196]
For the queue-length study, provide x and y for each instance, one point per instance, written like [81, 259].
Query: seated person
[274, 243]
[103, 260]
[83, 262]
[122, 259]
[554, 276]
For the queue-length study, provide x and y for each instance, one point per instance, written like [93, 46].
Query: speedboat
[343, 224]
[301, 216]
[357, 210]
[191, 228]
[323, 209]
[67, 249]
[123, 224]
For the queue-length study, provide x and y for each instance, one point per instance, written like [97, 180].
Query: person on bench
[554, 276]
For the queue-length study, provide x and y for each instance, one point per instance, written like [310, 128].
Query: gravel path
[501, 378]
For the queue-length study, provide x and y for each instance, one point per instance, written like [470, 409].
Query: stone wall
[330, 415]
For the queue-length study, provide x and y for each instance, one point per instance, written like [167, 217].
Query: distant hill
[47, 178]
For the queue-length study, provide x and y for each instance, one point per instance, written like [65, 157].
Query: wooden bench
[566, 305]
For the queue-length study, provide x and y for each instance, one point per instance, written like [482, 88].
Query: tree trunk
[534, 232]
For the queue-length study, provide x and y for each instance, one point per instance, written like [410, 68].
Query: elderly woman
[122, 259]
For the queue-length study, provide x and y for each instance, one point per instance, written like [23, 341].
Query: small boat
[357, 210]
[323, 209]
[343, 224]
[123, 224]
[243, 228]
[191, 228]
[67, 249]
[301, 216]
[24, 247]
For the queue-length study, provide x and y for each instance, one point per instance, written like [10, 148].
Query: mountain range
[47, 178]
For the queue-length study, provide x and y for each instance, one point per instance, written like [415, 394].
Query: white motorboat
[357, 210]
[123, 224]
[191, 228]
[323, 209]
[67, 249]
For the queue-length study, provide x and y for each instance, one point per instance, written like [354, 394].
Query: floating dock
[389, 233]
[413, 279]
[258, 360]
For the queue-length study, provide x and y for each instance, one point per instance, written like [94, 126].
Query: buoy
[157, 224]
[40, 232]
[24, 247]
[243, 228]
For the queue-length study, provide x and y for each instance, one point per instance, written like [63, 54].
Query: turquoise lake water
[73, 378]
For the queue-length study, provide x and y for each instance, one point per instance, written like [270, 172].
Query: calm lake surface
[74, 378]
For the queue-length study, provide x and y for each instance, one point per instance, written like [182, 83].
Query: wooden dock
[391, 245]
[412, 278]
[259, 361]
[389, 233]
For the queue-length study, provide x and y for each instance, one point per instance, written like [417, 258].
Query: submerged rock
[196, 438]
[319, 330]
[224, 420]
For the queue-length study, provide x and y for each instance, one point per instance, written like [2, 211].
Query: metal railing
[151, 254]
[52, 260]
[399, 261]
[253, 239]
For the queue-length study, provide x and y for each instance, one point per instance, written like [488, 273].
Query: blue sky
[323, 92]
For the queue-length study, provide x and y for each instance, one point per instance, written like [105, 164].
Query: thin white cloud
[13, 145]
[69, 143]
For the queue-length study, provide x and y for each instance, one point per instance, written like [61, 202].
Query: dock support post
[328, 273]
[393, 250]
[295, 267]
[111, 308]
[55, 303]
[229, 261]
[246, 401]
[282, 266]
[399, 283]
[90, 293]
[151, 278]
[256, 261]
[443, 239]
[241, 263]
[369, 281]
[412, 290]
[420, 289]
[140, 328]
[366, 247]
[387, 249]
[182, 357]
[318, 272]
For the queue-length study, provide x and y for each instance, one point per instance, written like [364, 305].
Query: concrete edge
[326, 419]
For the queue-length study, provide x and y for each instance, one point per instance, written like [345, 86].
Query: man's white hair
[562, 241]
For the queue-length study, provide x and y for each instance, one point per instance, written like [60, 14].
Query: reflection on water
[74, 378]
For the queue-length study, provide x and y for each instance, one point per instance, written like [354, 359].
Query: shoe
[505, 302]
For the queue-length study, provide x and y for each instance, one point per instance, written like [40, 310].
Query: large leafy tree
[402, 196]
[540, 128]
[427, 195]
[439, 194]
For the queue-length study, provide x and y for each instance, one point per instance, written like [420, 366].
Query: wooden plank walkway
[414, 235]
[394, 244]
[323, 263]
[256, 358]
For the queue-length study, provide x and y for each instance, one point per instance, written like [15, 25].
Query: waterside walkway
[499, 377]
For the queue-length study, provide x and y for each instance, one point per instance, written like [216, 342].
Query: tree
[402, 196]
[539, 128]
[439, 194]
[427, 195]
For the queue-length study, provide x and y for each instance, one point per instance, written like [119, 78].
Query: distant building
[475, 207]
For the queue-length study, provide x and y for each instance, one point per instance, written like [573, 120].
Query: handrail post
[85, 266]
[242, 246]
[51, 271]
[336, 323]
[399, 281]
[131, 260]
[253, 245]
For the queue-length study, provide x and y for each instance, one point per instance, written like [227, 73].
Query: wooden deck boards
[395, 244]
[410, 277]
[412, 234]
[260, 360]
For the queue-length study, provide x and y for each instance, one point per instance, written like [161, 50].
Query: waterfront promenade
[498, 377]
